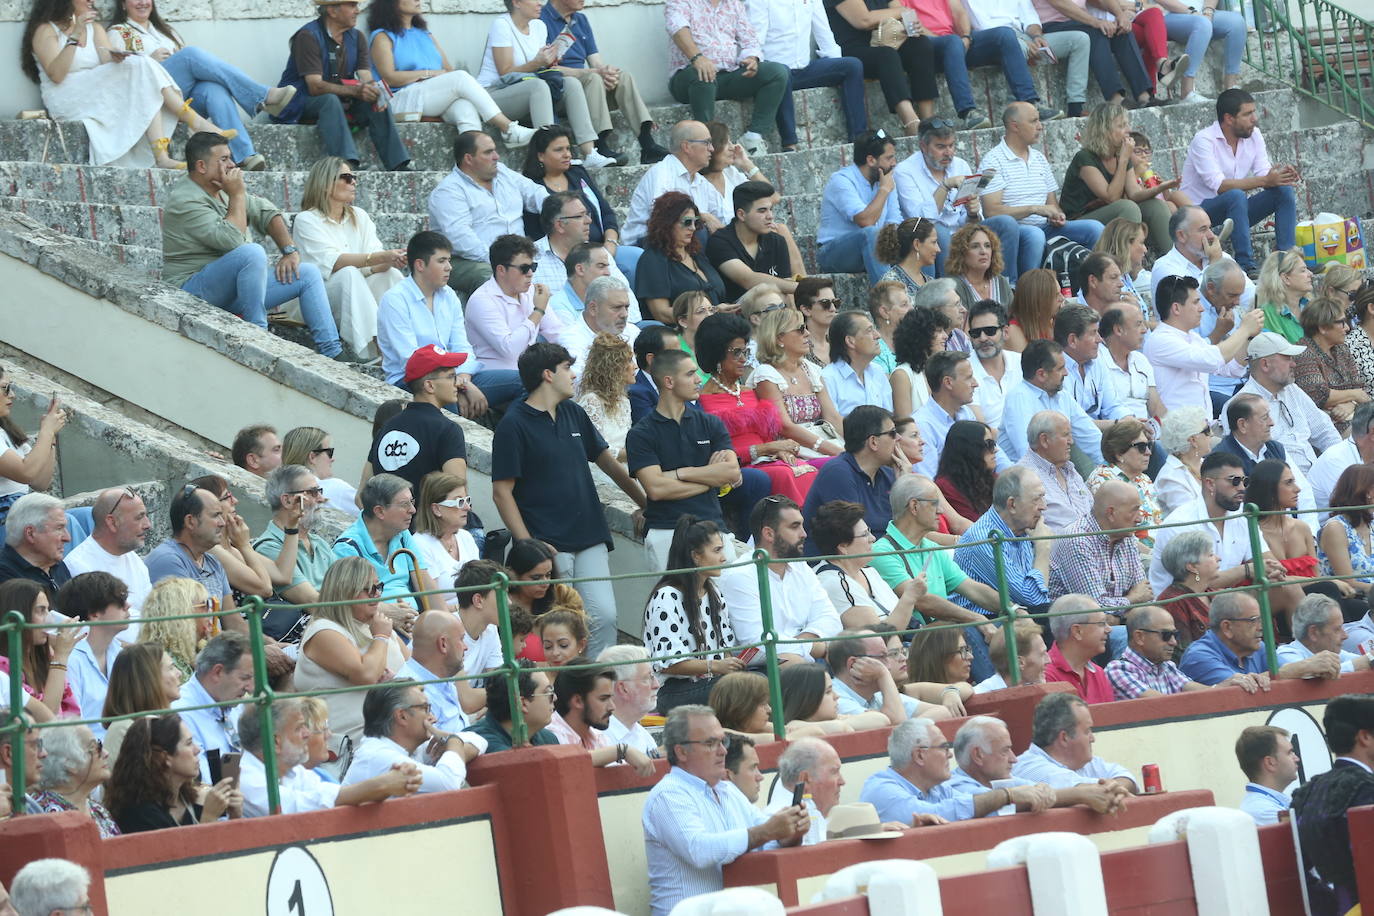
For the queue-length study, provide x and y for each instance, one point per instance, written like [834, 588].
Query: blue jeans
[331, 121]
[501, 386]
[1031, 250]
[1007, 231]
[244, 283]
[851, 253]
[217, 91]
[1247, 210]
[845, 72]
[1197, 32]
[990, 47]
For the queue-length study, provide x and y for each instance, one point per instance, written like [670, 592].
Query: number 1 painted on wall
[296, 900]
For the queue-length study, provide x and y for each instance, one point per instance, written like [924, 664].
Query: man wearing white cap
[1300, 426]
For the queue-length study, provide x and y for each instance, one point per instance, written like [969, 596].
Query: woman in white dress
[409, 60]
[518, 49]
[348, 645]
[1186, 436]
[609, 369]
[25, 462]
[441, 520]
[860, 596]
[214, 88]
[341, 240]
[920, 334]
[121, 98]
[311, 447]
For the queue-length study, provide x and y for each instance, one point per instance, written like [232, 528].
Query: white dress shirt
[1296, 652]
[1183, 360]
[553, 273]
[577, 337]
[1173, 264]
[991, 393]
[1299, 425]
[300, 789]
[1037, 766]
[916, 189]
[635, 735]
[1175, 485]
[1327, 469]
[376, 755]
[1025, 400]
[668, 174]
[787, 27]
[692, 830]
[1231, 544]
[1130, 386]
[472, 217]
[800, 605]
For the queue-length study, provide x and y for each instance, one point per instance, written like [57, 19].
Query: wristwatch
[289, 249]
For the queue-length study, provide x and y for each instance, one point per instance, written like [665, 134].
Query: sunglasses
[689, 222]
[829, 305]
[1142, 447]
[989, 445]
[1166, 635]
[128, 493]
[737, 352]
[937, 124]
[6, 388]
[525, 269]
[348, 177]
[323, 451]
[988, 331]
[1235, 480]
[313, 492]
[462, 502]
[889, 432]
[374, 590]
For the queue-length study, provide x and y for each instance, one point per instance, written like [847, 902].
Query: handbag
[826, 431]
[890, 33]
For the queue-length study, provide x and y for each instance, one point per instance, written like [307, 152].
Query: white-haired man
[1061, 751]
[696, 821]
[636, 696]
[1080, 630]
[35, 538]
[813, 763]
[48, 886]
[1049, 454]
[605, 310]
[1318, 627]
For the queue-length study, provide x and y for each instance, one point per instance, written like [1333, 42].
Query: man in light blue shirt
[437, 649]
[1085, 375]
[1318, 628]
[423, 310]
[952, 386]
[1061, 751]
[858, 200]
[1018, 507]
[695, 820]
[1267, 757]
[917, 781]
[1234, 644]
[224, 672]
[863, 683]
[854, 377]
[1042, 387]
[97, 597]
[477, 202]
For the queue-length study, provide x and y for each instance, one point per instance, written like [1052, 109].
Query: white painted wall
[630, 34]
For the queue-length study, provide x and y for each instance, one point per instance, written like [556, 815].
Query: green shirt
[943, 575]
[195, 230]
[310, 567]
[1282, 321]
[498, 739]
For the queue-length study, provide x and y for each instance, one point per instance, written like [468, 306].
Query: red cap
[426, 359]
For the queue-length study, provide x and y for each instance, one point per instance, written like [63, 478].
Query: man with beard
[1300, 426]
[583, 704]
[996, 368]
[801, 608]
[301, 789]
[294, 494]
[120, 529]
[1228, 160]
[636, 696]
[1042, 387]
[859, 200]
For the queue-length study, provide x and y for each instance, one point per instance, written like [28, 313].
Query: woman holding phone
[155, 783]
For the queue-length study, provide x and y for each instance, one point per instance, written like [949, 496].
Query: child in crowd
[1148, 177]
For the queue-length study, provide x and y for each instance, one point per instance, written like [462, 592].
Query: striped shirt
[1023, 182]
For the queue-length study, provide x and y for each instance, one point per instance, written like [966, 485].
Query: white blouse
[1176, 485]
[439, 563]
[321, 240]
[667, 631]
[9, 487]
[846, 592]
[613, 422]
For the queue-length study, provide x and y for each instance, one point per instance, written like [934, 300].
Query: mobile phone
[229, 767]
[798, 794]
[212, 759]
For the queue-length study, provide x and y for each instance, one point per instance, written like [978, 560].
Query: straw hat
[856, 821]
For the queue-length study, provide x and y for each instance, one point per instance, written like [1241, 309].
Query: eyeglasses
[985, 331]
[348, 177]
[323, 451]
[550, 693]
[891, 433]
[96, 747]
[1166, 635]
[711, 744]
[461, 502]
[313, 492]
[525, 269]
[404, 504]
[6, 388]
[1142, 447]
[566, 216]
[1254, 619]
[707, 142]
[374, 590]
[989, 445]
[689, 222]
[830, 305]
[737, 352]
[425, 706]
[965, 652]
[896, 654]
[947, 747]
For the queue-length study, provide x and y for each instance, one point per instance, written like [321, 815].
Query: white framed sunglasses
[462, 502]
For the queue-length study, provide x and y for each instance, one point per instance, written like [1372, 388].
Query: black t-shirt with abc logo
[415, 442]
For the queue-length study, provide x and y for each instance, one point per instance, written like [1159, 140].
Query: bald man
[120, 529]
[436, 651]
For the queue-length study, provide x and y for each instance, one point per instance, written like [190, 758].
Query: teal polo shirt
[943, 575]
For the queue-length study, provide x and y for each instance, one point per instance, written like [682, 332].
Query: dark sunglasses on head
[348, 177]
[525, 269]
[937, 124]
[987, 331]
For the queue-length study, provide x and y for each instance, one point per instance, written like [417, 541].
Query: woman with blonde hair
[793, 383]
[341, 240]
[689, 310]
[1340, 282]
[1285, 284]
[910, 247]
[1124, 239]
[348, 645]
[180, 639]
[975, 264]
[312, 447]
[1101, 184]
[608, 369]
[1033, 307]
[441, 536]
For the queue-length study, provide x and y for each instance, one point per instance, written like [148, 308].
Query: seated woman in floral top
[1126, 450]
[76, 764]
[793, 384]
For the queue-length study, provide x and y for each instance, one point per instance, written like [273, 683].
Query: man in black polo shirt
[864, 474]
[543, 488]
[35, 537]
[423, 438]
[682, 457]
[748, 252]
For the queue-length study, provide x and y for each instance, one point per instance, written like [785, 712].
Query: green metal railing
[1326, 53]
[15, 728]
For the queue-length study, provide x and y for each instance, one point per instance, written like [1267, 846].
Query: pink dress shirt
[1211, 161]
[721, 30]
[499, 327]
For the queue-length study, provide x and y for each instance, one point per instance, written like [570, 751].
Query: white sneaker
[517, 135]
[753, 145]
[595, 160]
[1195, 98]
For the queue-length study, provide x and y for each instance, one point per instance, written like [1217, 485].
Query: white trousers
[456, 96]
